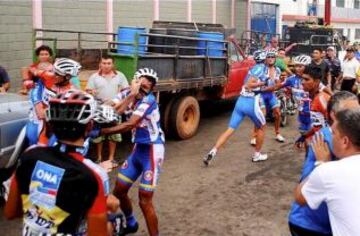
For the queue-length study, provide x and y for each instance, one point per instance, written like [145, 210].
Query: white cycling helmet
[105, 114]
[66, 66]
[259, 55]
[271, 53]
[146, 72]
[72, 105]
[302, 60]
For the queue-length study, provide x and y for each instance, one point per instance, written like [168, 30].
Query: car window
[233, 54]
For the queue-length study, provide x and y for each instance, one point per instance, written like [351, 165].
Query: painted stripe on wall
[109, 18]
[214, 11]
[189, 10]
[156, 10]
[232, 13]
[37, 19]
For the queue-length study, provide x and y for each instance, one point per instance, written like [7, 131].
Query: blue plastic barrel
[129, 35]
[213, 47]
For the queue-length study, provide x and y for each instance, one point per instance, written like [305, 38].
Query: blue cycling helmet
[259, 56]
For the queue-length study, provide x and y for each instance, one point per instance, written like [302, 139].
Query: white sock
[214, 150]
[257, 154]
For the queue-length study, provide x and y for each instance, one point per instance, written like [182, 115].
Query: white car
[14, 113]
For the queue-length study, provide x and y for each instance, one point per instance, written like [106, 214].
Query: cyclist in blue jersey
[248, 104]
[148, 153]
[47, 85]
[300, 96]
[303, 220]
[271, 74]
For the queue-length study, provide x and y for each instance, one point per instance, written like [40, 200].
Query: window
[234, 56]
[340, 3]
[357, 4]
[357, 33]
[340, 31]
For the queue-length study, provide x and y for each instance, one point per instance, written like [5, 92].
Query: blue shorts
[269, 100]
[247, 106]
[145, 160]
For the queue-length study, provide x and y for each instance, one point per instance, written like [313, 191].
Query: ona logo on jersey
[45, 182]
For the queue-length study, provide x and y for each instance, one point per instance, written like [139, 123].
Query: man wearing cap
[349, 69]
[334, 65]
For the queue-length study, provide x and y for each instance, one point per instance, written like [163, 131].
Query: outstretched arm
[123, 127]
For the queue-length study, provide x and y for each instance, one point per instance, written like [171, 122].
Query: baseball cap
[330, 48]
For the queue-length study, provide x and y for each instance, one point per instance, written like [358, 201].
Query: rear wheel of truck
[184, 117]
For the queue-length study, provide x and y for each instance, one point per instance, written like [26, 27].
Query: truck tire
[166, 116]
[184, 117]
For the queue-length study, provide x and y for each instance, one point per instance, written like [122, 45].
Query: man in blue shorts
[148, 153]
[248, 104]
[302, 219]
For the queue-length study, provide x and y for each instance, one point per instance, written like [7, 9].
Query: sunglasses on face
[271, 57]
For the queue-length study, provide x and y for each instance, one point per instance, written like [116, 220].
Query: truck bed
[175, 71]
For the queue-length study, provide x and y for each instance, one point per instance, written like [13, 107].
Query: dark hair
[349, 125]
[67, 130]
[43, 48]
[281, 49]
[313, 71]
[318, 49]
[336, 99]
[106, 57]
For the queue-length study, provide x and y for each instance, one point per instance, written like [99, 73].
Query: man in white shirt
[337, 183]
[349, 69]
[105, 85]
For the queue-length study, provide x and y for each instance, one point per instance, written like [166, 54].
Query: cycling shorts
[269, 100]
[145, 160]
[247, 106]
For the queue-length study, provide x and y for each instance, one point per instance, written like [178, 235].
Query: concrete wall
[90, 15]
[202, 11]
[77, 16]
[173, 10]
[223, 13]
[133, 13]
[240, 17]
[15, 38]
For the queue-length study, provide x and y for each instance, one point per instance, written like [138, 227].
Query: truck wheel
[185, 117]
[166, 117]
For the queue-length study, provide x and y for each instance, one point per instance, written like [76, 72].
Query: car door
[238, 69]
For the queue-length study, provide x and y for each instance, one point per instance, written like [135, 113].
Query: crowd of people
[324, 90]
[57, 189]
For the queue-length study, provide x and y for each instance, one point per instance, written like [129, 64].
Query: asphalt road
[233, 196]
